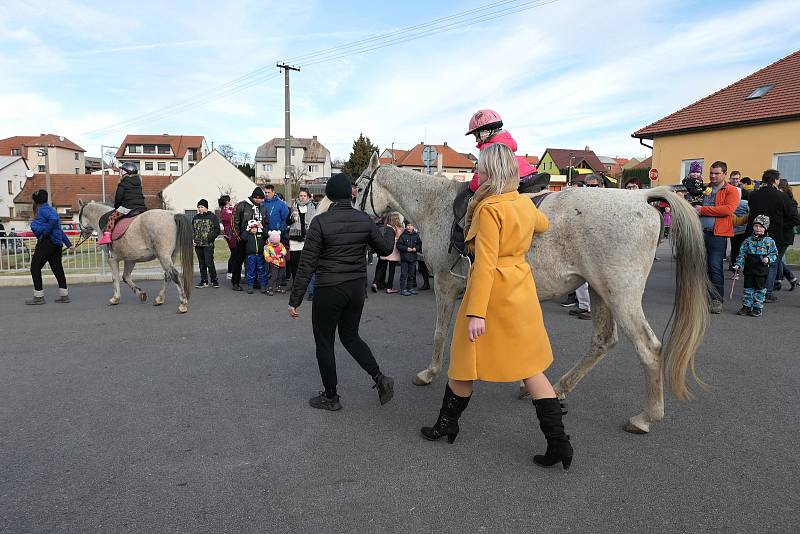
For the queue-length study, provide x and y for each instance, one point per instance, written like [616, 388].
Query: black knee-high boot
[447, 423]
[558, 447]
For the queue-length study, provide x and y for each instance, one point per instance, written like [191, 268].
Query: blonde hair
[393, 219]
[499, 166]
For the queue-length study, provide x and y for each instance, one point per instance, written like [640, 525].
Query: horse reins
[368, 191]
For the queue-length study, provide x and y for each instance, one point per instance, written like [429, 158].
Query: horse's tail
[185, 245]
[691, 292]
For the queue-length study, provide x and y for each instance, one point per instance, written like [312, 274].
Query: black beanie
[338, 187]
[203, 202]
[40, 196]
[258, 193]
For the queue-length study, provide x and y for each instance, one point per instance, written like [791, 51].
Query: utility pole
[46, 153]
[287, 149]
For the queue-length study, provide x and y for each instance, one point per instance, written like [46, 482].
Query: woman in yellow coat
[499, 334]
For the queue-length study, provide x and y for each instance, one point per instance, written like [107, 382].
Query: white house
[309, 158]
[210, 178]
[163, 155]
[12, 180]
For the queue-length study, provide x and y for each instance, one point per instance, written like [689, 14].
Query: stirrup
[460, 258]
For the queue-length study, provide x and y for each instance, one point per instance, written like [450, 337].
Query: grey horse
[155, 234]
[605, 237]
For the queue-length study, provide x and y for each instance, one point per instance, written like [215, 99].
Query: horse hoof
[113, 302]
[183, 309]
[158, 302]
[633, 429]
[422, 379]
[143, 296]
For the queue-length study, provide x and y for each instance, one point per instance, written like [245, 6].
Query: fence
[16, 254]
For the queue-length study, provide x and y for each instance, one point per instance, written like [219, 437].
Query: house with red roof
[62, 155]
[163, 155]
[753, 124]
[450, 162]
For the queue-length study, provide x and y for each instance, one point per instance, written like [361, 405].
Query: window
[41, 168]
[190, 213]
[292, 152]
[11, 211]
[134, 149]
[788, 164]
[313, 168]
[760, 91]
[15, 151]
[191, 154]
[77, 156]
[10, 187]
[162, 165]
[77, 170]
[267, 167]
[173, 166]
[148, 165]
[164, 149]
[149, 149]
[685, 166]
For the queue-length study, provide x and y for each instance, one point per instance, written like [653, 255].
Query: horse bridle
[368, 191]
[84, 234]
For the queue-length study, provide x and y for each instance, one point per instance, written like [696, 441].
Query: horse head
[87, 222]
[371, 199]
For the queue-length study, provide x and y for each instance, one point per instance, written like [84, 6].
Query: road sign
[653, 174]
[429, 156]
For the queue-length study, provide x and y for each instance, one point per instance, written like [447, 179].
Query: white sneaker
[229, 276]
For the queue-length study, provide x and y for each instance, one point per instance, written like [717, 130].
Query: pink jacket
[504, 138]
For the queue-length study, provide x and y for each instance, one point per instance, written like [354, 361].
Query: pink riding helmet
[484, 119]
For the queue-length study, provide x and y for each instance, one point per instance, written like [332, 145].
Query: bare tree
[228, 152]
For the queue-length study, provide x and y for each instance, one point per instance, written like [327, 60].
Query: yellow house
[752, 125]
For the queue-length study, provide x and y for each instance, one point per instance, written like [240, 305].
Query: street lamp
[569, 172]
[103, 167]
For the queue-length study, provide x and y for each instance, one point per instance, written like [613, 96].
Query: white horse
[602, 236]
[154, 234]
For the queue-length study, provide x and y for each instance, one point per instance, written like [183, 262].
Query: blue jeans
[256, 270]
[311, 285]
[715, 254]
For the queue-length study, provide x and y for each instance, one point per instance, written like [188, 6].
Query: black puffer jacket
[336, 248]
[243, 213]
[775, 204]
[129, 193]
[407, 241]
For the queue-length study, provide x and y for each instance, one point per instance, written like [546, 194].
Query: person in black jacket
[205, 229]
[335, 252]
[245, 211]
[128, 200]
[409, 244]
[770, 201]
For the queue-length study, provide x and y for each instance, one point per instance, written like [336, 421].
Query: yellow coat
[500, 289]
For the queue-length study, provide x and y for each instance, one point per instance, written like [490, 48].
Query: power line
[484, 13]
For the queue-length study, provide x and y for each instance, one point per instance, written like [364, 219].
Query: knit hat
[338, 187]
[763, 220]
[695, 166]
[40, 196]
[258, 193]
[274, 236]
[203, 202]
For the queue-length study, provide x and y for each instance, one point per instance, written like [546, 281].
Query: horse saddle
[533, 186]
[122, 223]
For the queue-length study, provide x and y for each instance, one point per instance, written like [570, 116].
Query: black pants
[381, 280]
[238, 257]
[423, 272]
[293, 263]
[408, 275]
[47, 252]
[230, 261]
[276, 275]
[340, 307]
[205, 258]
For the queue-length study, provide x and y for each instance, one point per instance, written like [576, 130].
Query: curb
[24, 280]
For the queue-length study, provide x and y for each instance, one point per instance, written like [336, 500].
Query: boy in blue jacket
[756, 254]
[46, 226]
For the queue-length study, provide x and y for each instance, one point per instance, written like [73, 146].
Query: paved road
[135, 419]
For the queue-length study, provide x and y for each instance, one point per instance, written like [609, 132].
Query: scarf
[309, 209]
[482, 193]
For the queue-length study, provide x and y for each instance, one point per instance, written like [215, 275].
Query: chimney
[314, 138]
[445, 143]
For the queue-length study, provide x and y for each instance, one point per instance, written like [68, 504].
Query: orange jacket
[726, 203]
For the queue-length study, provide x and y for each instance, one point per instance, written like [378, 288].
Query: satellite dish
[29, 174]
[61, 138]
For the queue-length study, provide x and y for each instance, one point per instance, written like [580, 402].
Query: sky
[563, 74]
